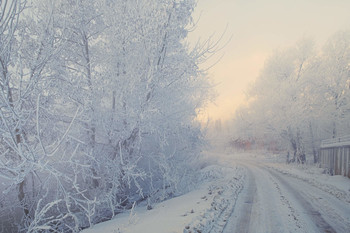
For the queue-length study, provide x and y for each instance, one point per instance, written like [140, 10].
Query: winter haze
[163, 116]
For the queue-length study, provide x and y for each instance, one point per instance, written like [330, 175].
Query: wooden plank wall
[336, 159]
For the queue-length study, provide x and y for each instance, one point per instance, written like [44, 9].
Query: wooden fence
[335, 155]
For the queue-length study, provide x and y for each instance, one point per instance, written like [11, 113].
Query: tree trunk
[21, 186]
[22, 199]
[301, 158]
[314, 150]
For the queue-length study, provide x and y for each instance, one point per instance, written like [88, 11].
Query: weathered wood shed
[335, 155]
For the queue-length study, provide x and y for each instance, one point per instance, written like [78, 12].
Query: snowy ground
[287, 198]
[203, 210]
[247, 192]
[338, 185]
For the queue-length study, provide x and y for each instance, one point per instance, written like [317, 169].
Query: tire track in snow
[286, 202]
[315, 215]
[260, 206]
[244, 219]
[332, 190]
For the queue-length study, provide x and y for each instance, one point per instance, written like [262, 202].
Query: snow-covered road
[275, 202]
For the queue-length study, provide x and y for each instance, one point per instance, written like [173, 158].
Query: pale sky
[258, 27]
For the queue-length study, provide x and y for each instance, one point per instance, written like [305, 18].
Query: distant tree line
[301, 97]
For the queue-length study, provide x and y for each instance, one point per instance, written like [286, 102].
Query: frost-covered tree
[27, 54]
[277, 105]
[98, 106]
[336, 75]
[302, 96]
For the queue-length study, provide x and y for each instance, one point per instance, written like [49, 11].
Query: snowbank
[338, 186]
[205, 209]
